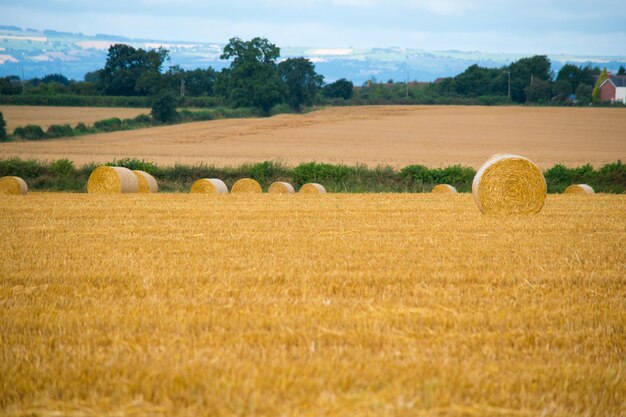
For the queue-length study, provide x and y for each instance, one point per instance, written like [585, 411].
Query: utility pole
[23, 81]
[182, 88]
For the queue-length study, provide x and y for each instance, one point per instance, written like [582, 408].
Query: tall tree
[301, 81]
[621, 70]
[252, 78]
[525, 71]
[341, 88]
[131, 72]
[595, 95]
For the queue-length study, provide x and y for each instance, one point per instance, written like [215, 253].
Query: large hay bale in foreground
[579, 189]
[509, 184]
[281, 187]
[313, 188]
[444, 189]
[146, 182]
[209, 186]
[13, 186]
[246, 185]
[112, 180]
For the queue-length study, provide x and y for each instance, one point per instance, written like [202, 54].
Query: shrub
[164, 107]
[32, 132]
[59, 131]
[108, 125]
[81, 128]
[62, 167]
[136, 164]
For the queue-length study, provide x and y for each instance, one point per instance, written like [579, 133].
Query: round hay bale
[13, 186]
[281, 188]
[444, 189]
[579, 189]
[509, 184]
[112, 180]
[209, 186]
[313, 188]
[146, 182]
[246, 185]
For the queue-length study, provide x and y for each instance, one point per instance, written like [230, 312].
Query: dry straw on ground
[313, 188]
[13, 186]
[246, 185]
[399, 305]
[509, 184]
[146, 182]
[112, 180]
[444, 189]
[209, 186]
[579, 189]
[281, 187]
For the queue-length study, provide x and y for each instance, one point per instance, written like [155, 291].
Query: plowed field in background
[45, 116]
[296, 305]
[391, 135]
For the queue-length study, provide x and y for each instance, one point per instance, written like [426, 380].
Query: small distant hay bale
[313, 188]
[281, 187]
[579, 189]
[444, 189]
[112, 180]
[509, 184]
[13, 186]
[209, 186]
[146, 182]
[246, 185]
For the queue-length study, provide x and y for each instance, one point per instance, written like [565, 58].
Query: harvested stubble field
[434, 136]
[407, 305]
[45, 116]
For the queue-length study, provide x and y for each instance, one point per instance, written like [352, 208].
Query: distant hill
[38, 53]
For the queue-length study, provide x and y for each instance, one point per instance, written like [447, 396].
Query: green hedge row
[74, 100]
[35, 132]
[62, 175]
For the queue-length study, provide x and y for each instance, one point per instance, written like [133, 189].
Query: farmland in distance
[45, 116]
[434, 136]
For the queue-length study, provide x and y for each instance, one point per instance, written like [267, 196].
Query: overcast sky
[522, 26]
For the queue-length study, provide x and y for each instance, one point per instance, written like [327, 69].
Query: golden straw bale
[246, 185]
[13, 186]
[146, 182]
[313, 188]
[281, 187]
[112, 180]
[444, 189]
[209, 186]
[579, 189]
[509, 184]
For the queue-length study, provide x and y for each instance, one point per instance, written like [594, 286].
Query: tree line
[257, 78]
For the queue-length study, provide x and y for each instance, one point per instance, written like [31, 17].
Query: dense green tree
[583, 93]
[341, 88]
[575, 75]
[539, 91]
[301, 81]
[10, 85]
[164, 107]
[525, 71]
[55, 78]
[198, 82]
[621, 71]
[478, 81]
[131, 72]
[562, 89]
[252, 79]
[595, 95]
[3, 127]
